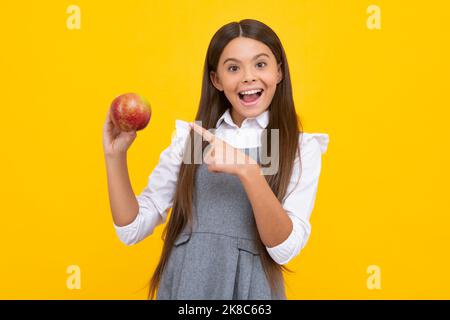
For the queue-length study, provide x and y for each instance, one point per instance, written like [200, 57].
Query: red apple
[130, 112]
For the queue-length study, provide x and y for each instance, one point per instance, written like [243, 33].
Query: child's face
[252, 66]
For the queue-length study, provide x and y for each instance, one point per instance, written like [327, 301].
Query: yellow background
[381, 95]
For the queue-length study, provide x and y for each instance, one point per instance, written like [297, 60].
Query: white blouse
[157, 198]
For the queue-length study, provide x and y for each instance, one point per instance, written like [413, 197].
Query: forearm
[123, 203]
[273, 223]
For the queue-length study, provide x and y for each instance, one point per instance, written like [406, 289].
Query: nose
[248, 77]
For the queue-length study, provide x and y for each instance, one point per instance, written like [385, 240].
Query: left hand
[222, 157]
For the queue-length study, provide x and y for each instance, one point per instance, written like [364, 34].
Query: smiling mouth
[250, 98]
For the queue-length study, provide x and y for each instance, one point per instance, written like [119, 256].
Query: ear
[280, 73]
[216, 81]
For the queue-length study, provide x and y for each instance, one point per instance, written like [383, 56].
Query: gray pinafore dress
[217, 257]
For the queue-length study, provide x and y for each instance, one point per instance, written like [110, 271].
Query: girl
[232, 228]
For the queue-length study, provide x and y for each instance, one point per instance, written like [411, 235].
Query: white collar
[262, 119]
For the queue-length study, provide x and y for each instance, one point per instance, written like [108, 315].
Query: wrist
[249, 171]
[120, 156]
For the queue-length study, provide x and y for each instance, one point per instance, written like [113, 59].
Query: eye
[261, 63]
[232, 70]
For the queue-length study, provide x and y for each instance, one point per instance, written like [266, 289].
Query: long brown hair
[213, 103]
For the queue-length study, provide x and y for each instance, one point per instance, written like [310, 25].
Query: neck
[237, 118]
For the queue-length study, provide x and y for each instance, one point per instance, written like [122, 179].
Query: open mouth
[250, 97]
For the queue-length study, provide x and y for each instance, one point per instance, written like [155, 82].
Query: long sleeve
[299, 202]
[157, 198]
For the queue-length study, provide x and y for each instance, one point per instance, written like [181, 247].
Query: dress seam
[221, 234]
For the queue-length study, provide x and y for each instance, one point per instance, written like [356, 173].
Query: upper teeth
[251, 91]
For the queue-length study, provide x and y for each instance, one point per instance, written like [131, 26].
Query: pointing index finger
[203, 132]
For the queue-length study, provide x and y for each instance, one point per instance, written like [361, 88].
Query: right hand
[116, 142]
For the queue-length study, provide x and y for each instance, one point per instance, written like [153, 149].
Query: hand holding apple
[115, 141]
[127, 114]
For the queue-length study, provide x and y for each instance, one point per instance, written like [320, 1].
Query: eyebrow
[254, 58]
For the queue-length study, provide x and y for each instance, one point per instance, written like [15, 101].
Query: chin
[249, 113]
